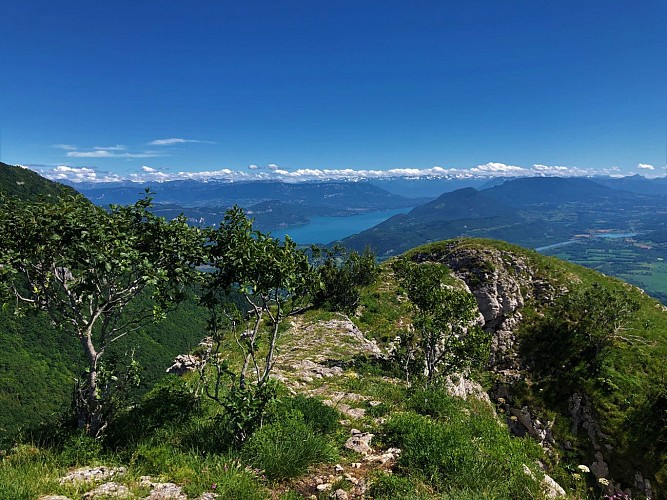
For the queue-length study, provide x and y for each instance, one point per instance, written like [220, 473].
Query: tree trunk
[87, 406]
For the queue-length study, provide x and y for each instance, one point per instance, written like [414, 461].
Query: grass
[451, 445]
[451, 448]
[286, 448]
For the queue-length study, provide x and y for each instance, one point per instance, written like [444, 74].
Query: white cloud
[175, 140]
[67, 147]
[645, 166]
[117, 147]
[79, 174]
[110, 153]
[274, 172]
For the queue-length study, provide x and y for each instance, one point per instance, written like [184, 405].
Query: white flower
[583, 468]
[603, 481]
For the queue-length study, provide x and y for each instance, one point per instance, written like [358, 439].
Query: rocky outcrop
[501, 282]
[184, 363]
[86, 474]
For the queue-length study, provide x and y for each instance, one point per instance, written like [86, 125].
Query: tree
[341, 276]
[86, 267]
[274, 280]
[444, 337]
[585, 323]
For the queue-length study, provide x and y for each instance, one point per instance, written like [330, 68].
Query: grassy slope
[452, 448]
[628, 392]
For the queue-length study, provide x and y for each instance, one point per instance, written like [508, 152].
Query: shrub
[434, 402]
[468, 451]
[285, 449]
[169, 402]
[320, 417]
[341, 276]
[81, 449]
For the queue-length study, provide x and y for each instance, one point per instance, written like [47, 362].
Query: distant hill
[532, 212]
[24, 183]
[636, 184]
[554, 190]
[351, 196]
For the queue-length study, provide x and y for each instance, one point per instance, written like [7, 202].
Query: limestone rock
[360, 442]
[162, 491]
[108, 490]
[551, 488]
[85, 474]
[461, 387]
[184, 363]
[339, 494]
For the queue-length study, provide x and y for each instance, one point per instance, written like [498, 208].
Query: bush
[81, 449]
[286, 449]
[320, 417]
[342, 275]
[434, 402]
[170, 402]
[469, 450]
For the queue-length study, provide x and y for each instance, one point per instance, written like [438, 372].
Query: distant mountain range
[272, 204]
[535, 211]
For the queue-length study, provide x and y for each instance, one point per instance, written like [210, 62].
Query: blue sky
[94, 90]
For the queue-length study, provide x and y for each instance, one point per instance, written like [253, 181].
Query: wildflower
[501, 401]
[583, 468]
[214, 486]
[603, 481]
[576, 476]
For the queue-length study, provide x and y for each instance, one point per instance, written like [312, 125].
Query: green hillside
[26, 184]
[571, 403]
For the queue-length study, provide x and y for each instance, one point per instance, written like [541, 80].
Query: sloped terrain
[533, 423]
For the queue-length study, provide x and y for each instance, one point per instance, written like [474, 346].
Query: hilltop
[582, 425]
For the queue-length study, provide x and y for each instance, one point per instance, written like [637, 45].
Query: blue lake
[328, 229]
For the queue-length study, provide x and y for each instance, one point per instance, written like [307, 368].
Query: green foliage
[80, 449]
[341, 276]
[245, 408]
[275, 280]
[321, 418]
[394, 487]
[86, 268]
[170, 402]
[579, 331]
[465, 451]
[286, 449]
[444, 338]
[28, 185]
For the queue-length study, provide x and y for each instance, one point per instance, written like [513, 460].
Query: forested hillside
[24, 183]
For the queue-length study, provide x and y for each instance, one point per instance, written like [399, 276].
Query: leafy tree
[341, 275]
[274, 280]
[581, 327]
[86, 267]
[444, 338]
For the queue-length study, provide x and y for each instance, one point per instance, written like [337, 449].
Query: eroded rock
[85, 474]
[360, 442]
